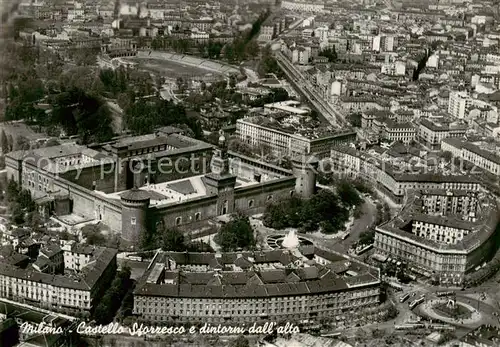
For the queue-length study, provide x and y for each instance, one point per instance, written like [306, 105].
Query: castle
[166, 177]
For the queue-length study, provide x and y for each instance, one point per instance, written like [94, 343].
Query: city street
[369, 213]
[305, 87]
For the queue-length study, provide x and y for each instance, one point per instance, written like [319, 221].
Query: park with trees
[21, 206]
[145, 115]
[236, 235]
[170, 239]
[111, 301]
[327, 211]
[243, 46]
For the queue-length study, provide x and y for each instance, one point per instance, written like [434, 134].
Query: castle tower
[135, 205]
[122, 170]
[304, 170]
[220, 181]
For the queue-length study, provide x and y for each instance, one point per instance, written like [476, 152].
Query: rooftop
[484, 335]
[84, 281]
[171, 192]
[246, 274]
[302, 127]
[478, 230]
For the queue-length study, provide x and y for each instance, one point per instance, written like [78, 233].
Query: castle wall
[137, 172]
[254, 199]
[134, 219]
[204, 208]
[246, 167]
[175, 215]
[103, 176]
[89, 204]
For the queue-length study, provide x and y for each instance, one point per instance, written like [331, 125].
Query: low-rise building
[72, 292]
[460, 148]
[432, 132]
[395, 179]
[303, 6]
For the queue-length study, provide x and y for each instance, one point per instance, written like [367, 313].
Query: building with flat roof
[303, 6]
[432, 132]
[246, 287]
[290, 135]
[396, 178]
[442, 234]
[487, 160]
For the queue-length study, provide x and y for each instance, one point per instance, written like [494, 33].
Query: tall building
[459, 104]
[480, 157]
[396, 179]
[387, 43]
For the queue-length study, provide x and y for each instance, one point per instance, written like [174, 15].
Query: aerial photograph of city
[249, 173]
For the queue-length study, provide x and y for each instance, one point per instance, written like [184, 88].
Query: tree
[112, 299]
[81, 77]
[17, 214]
[92, 234]
[25, 200]
[241, 341]
[173, 240]
[236, 234]
[367, 237]
[144, 116]
[324, 210]
[268, 64]
[34, 220]
[10, 141]
[329, 53]
[348, 195]
[252, 49]
[83, 114]
[181, 85]
[447, 156]
[4, 142]
[22, 143]
[12, 191]
[354, 119]
[392, 312]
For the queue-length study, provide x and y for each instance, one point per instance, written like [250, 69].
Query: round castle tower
[135, 205]
[304, 169]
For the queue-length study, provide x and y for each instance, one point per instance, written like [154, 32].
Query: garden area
[327, 211]
[455, 311]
